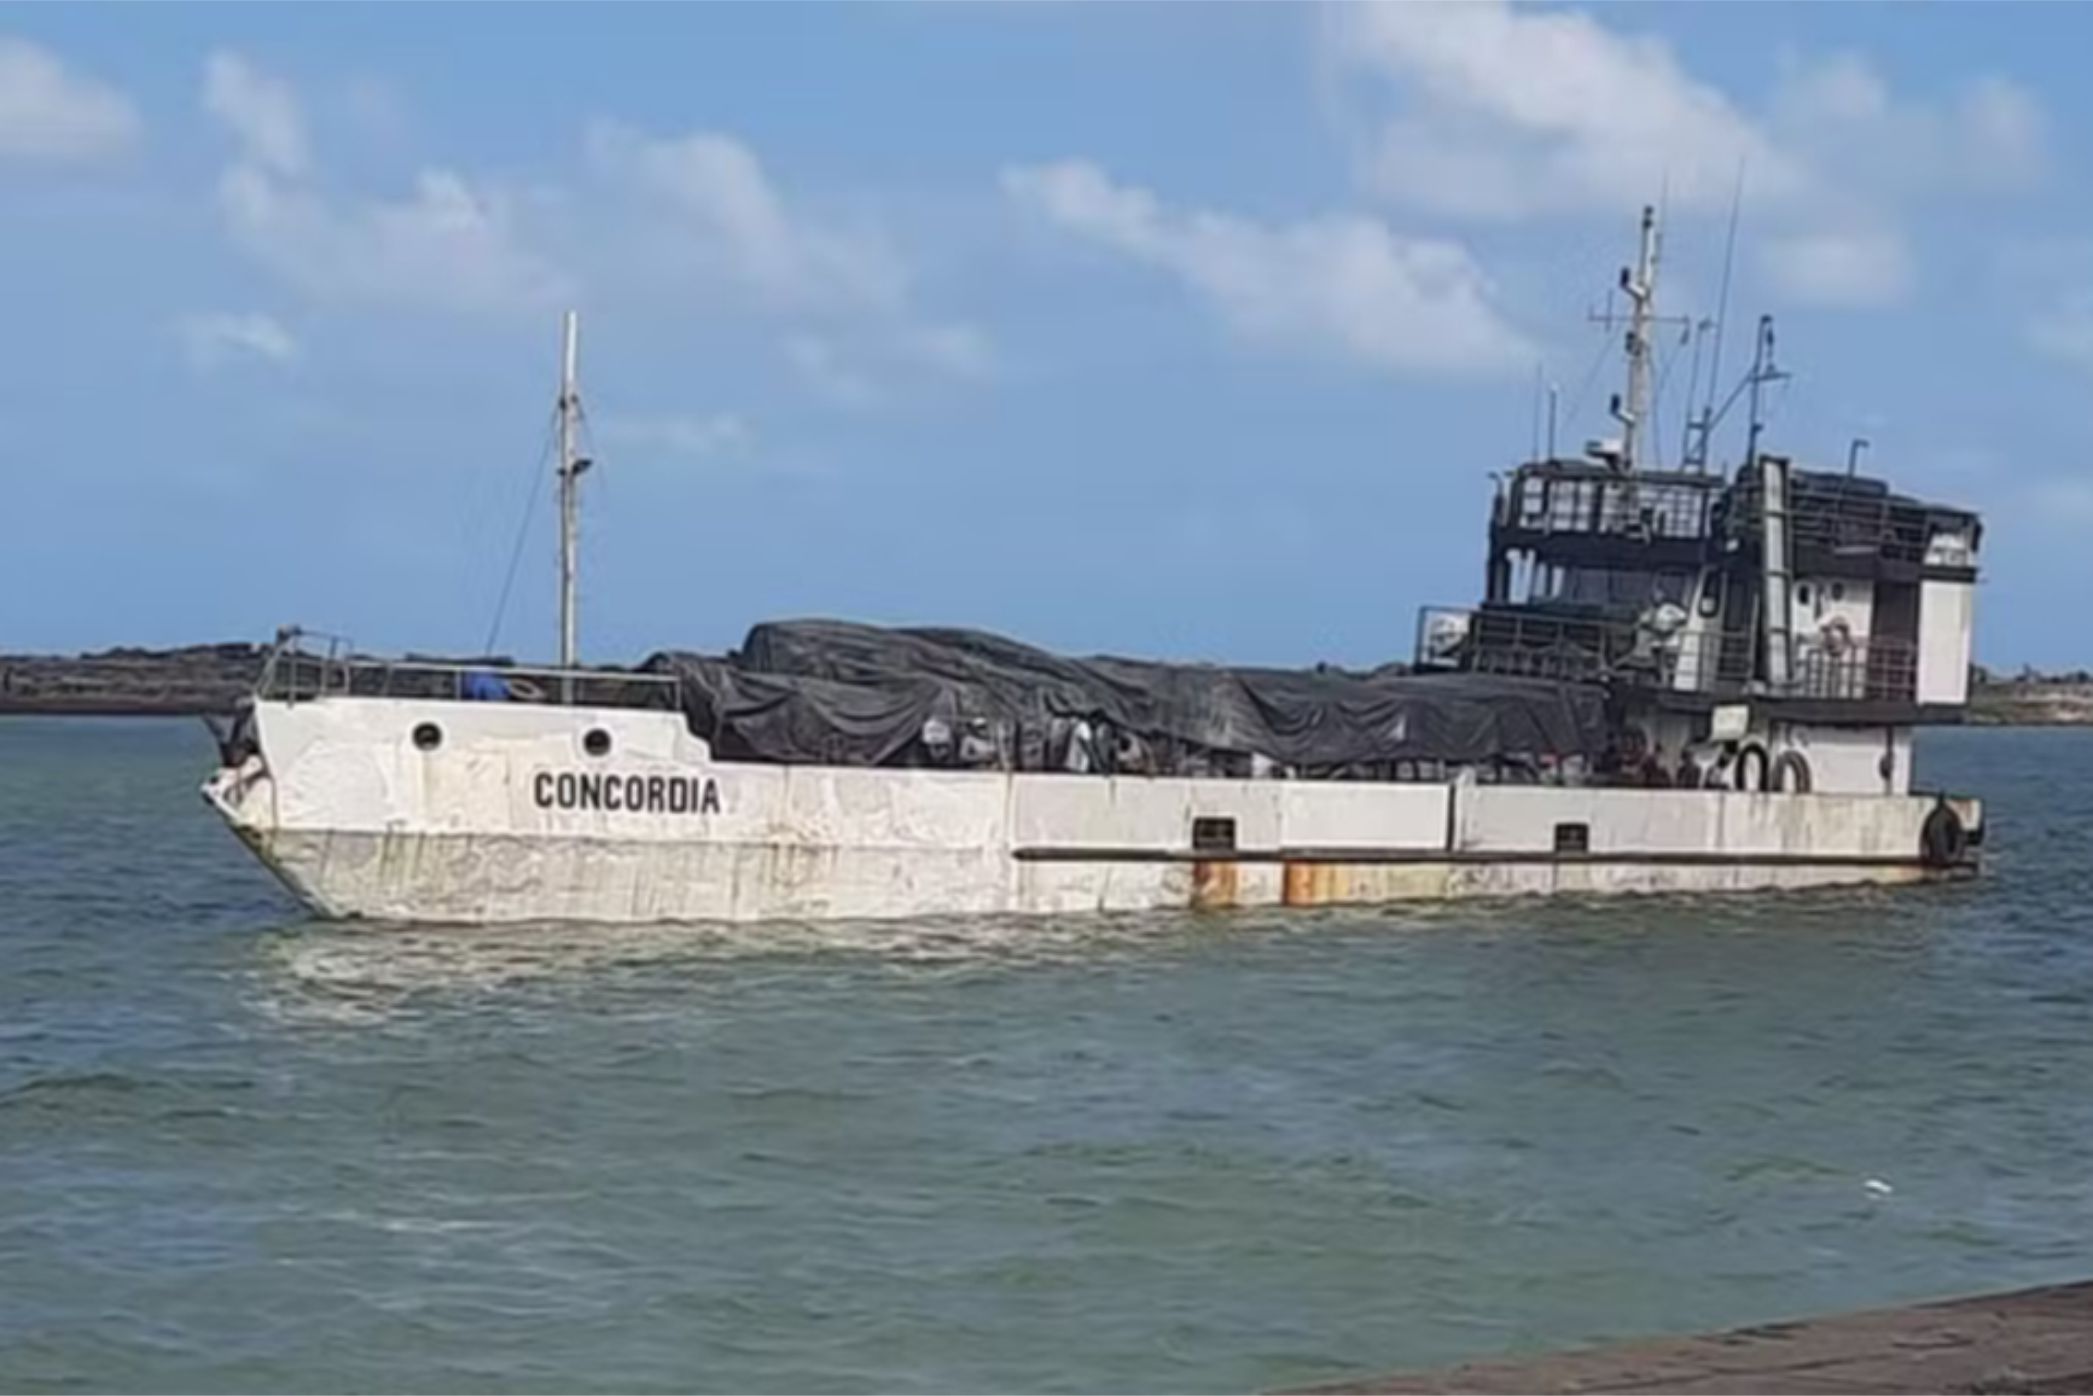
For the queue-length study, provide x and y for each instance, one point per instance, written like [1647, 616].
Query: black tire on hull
[1943, 838]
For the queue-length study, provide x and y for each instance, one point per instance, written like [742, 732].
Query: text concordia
[632, 793]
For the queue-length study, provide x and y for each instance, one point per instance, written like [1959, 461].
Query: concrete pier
[2031, 1340]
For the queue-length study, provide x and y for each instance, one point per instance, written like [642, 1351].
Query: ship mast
[571, 465]
[1639, 284]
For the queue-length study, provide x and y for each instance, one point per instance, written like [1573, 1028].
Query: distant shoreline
[188, 682]
[2036, 702]
[199, 680]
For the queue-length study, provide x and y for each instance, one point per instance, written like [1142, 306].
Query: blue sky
[1188, 330]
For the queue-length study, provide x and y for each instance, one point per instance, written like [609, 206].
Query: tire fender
[1753, 770]
[1943, 838]
[1791, 773]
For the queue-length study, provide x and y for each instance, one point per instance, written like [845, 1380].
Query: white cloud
[2004, 130]
[2064, 329]
[375, 110]
[262, 112]
[451, 242]
[1517, 111]
[1849, 267]
[212, 338]
[826, 369]
[1503, 113]
[1342, 283]
[702, 208]
[869, 365]
[957, 349]
[2049, 283]
[721, 433]
[666, 213]
[730, 214]
[48, 112]
[1839, 116]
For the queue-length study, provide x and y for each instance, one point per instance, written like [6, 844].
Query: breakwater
[131, 681]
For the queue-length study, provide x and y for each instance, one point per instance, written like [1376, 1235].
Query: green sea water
[243, 1151]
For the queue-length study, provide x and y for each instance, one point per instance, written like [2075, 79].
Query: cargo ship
[1693, 679]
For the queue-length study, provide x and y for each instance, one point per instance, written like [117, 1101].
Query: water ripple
[239, 1151]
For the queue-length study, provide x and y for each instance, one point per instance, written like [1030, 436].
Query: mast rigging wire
[523, 529]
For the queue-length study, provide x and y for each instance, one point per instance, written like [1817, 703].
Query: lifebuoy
[1752, 768]
[1943, 839]
[1791, 772]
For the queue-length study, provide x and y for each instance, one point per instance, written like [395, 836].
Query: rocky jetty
[131, 682]
[2031, 699]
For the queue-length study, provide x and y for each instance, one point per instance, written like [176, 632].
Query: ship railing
[1707, 661]
[305, 665]
[1601, 502]
[1860, 670]
[1517, 642]
[1837, 517]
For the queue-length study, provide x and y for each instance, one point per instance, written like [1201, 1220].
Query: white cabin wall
[1946, 614]
[1849, 760]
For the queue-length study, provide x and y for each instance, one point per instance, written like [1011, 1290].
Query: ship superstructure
[1771, 628]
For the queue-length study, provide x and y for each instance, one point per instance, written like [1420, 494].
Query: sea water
[240, 1150]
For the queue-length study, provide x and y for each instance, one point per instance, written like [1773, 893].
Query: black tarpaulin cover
[840, 693]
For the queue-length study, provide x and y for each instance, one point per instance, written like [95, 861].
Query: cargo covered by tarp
[838, 693]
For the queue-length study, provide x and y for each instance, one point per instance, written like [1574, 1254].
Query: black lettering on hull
[637, 794]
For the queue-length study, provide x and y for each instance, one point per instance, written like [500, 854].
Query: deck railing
[1590, 501]
[1520, 642]
[1862, 670]
[304, 666]
[1839, 517]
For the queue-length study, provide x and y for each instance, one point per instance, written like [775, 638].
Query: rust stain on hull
[1306, 884]
[1320, 883]
[1214, 884]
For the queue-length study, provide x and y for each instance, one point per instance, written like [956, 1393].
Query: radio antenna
[1705, 424]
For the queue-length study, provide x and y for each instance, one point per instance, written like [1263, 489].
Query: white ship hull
[510, 818]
